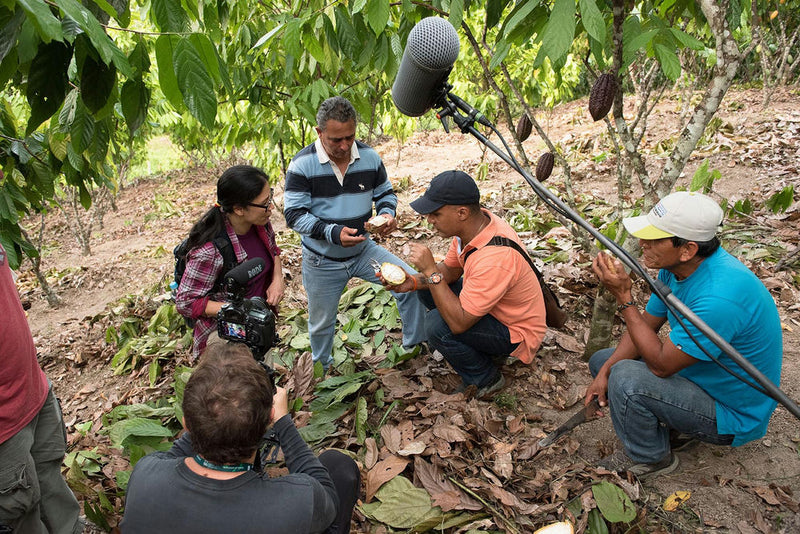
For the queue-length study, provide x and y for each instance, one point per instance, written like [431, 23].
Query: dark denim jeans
[475, 354]
[645, 407]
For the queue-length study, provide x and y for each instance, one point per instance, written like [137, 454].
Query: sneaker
[620, 462]
[680, 442]
[497, 385]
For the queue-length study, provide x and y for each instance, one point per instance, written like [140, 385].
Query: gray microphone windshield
[431, 50]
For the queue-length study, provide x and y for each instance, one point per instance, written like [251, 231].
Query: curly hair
[227, 403]
[337, 108]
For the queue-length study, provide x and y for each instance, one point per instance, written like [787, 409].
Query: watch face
[435, 278]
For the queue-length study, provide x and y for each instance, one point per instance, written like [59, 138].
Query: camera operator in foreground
[206, 481]
[664, 393]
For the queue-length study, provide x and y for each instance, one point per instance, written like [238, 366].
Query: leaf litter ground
[450, 460]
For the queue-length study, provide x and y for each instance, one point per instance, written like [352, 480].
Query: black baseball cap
[449, 188]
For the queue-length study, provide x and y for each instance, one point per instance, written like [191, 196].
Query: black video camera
[246, 320]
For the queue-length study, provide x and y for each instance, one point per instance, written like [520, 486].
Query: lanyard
[227, 468]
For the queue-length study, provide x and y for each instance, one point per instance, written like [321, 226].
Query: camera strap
[227, 468]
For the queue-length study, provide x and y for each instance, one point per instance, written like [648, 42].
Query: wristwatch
[434, 278]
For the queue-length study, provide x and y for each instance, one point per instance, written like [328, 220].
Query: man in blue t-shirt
[665, 392]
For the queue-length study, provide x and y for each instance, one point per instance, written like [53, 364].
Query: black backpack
[225, 248]
[555, 316]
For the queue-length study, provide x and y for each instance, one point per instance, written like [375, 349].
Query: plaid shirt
[203, 267]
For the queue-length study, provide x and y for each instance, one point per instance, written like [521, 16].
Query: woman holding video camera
[235, 229]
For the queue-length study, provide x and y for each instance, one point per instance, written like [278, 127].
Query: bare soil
[753, 488]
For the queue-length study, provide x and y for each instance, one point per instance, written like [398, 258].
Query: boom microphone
[431, 50]
[244, 272]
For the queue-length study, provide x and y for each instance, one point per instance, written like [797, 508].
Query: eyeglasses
[266, 206]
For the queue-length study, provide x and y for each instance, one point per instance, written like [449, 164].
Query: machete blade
[581, 416]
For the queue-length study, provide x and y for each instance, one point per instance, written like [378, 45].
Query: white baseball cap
[691, 216]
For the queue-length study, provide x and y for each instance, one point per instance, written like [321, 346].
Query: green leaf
[47, 82]
[518, 15]
[208, 54]
[456, 13]
[668, 59]
[638, 42]
[780, 201]
[135, 99]
[687, 40]
[121, 432]
[107, 8]
[311, 42]
[596, 523]
[139, 59]
[267, 36]
[613, 502]
[81, 130]
[9, 33]
[315, 433]
[560, 30]
[703, 179]
[97, 82]
[168, 82]
[169, 16]
[46, 24]
[292, 38]
[494, 10]
[98, 150]
[377, 14]
[103, 44]
[122, 478]
[6, 232]
[153, 371]
[402, 505]
[593, 20]
[361, 420]
[500, 53]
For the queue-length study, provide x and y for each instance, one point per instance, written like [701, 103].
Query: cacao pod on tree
[545, 166]
[524, 128]
[601, 98]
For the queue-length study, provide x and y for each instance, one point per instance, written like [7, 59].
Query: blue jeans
[473, 354]
[645, 407]
[324, 281]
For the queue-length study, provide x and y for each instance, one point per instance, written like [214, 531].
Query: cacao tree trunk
[53, 300]
[728, 61]
[601, 328]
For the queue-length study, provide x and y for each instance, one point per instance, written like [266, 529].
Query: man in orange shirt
[484, 300]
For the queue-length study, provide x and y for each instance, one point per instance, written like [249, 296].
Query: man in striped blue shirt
[331, 186]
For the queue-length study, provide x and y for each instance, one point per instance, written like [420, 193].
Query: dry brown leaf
[303, 376]
[413, 448]
[443, 492]
[447, 500]
[568, 342]
[391, 438]
[449, 433]
[371, 454]
[383, 472]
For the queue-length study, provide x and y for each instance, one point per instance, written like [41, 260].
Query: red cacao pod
[544, 167]
[524, 128]
[601, 98]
